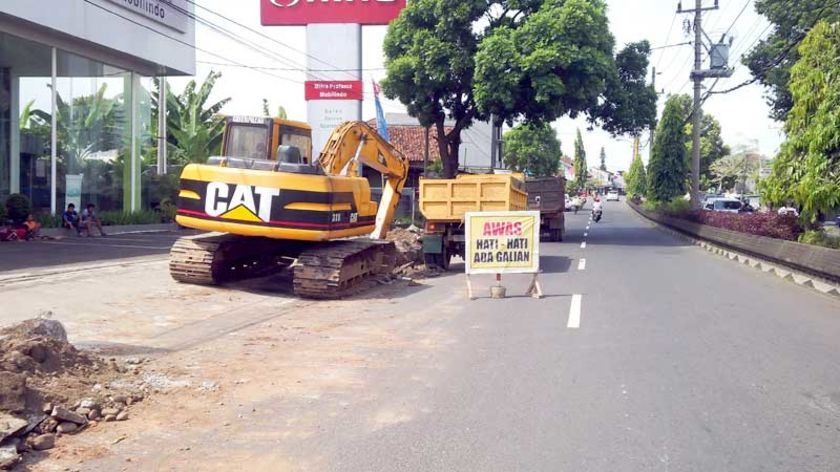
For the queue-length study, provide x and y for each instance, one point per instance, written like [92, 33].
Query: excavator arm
[354, 143]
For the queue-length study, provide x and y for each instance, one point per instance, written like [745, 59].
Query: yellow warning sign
[503, 242]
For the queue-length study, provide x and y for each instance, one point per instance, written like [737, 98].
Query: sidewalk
[28, 257]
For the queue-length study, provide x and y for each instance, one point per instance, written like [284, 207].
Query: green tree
[534, 60]
[712, 146]
[807, 170]
[771, 60]
[731, 172]
[636, 178]
[194, 128]
[281, 112]
[630, 102]
[533, 149]
[603, 159]
[581, 168]
[668, 169]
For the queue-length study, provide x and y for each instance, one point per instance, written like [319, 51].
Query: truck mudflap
[433, 244]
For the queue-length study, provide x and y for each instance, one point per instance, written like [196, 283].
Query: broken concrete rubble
[49, 387]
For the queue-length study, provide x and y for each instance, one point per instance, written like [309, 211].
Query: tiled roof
[410, 140]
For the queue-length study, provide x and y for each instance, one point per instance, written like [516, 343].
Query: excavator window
[248, 141]
[304, 143]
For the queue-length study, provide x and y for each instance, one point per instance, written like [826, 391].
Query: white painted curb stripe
[582, 264]
[574, 312]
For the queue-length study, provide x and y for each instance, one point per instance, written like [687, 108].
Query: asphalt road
[681, 361]
[652, 355]
[42, 254]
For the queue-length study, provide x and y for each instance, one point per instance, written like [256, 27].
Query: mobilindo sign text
[503, 242]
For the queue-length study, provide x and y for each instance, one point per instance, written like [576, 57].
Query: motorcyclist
[597, 208]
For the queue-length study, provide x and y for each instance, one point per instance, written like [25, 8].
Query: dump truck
[444, 202]
[548, 196]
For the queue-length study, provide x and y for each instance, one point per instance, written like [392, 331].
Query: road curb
[817, 284]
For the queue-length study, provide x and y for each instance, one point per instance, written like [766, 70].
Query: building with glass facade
[76, 96]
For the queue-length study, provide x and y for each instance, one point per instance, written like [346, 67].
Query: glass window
[304, 143]
[25, 102]
[93, 133]
[248, 141]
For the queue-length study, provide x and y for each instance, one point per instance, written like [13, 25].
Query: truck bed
[546, 194]
[447, 200]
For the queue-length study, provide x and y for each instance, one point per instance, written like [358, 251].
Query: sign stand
[469, 288]
[534, 289]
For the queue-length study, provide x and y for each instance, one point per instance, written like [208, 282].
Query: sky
[743, 114]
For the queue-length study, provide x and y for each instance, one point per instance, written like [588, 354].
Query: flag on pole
[381, 125]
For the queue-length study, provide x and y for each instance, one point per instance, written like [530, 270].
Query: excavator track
[215, 258]
[324, 271]
[332, 270]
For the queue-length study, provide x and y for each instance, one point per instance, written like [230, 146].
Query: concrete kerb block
[785, 274]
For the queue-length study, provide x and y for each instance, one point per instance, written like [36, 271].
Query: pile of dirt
[409, 245]
[49, 388]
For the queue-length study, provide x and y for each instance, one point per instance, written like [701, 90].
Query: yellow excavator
[266, 202]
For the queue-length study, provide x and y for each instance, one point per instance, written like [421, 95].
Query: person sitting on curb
[32, 228]
[70, 219]
[89, 220]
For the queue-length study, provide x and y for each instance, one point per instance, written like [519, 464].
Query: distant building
[408, 136]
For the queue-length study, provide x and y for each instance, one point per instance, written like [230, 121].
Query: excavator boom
[354, 143]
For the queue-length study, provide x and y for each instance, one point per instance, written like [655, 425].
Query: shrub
[18, 208]
[144, 217]
[770, 225]
[675, 207]
[820, 238]
[48, 220]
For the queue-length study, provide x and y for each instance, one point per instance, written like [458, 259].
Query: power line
[782, 56]
[184, 42]
[743, 9]
[667, 38]
[261, 34]
[227, 64]
[241, 40]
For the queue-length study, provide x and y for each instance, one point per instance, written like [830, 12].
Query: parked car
[725, 205]
[612, 196]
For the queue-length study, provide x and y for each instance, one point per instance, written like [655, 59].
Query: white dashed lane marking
[574, 312]
[583, 245]
[582, 264]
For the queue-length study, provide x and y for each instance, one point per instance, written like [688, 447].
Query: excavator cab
[262, 138]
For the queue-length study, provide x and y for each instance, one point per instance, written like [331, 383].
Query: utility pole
[494, 144]
[426, 154]
[653, 128]
[698, 111]
[719, 54]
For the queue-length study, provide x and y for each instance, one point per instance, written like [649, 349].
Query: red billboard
[304, 12]
[334, 90]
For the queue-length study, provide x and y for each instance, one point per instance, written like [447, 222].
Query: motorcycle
[596, 215]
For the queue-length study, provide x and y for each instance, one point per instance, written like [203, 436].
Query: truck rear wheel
[441, 260]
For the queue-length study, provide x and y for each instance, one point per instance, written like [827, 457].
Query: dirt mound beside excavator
[409, 245]
[49, 388]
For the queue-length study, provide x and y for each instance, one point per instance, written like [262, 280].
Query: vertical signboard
[334, 60]
[334, 53]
